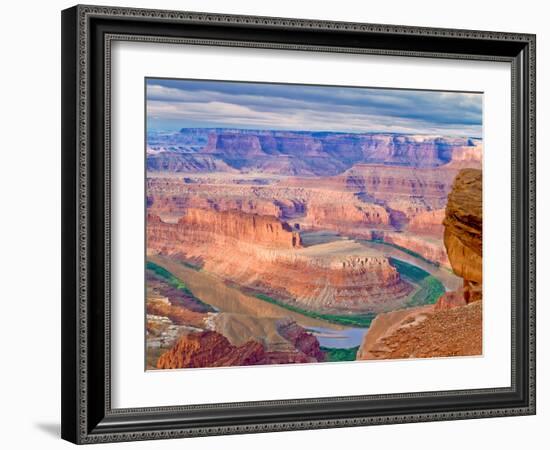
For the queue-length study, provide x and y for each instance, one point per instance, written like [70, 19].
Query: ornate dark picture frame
[87, 34]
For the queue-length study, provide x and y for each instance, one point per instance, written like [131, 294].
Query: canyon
[268, 247]
[265, 254]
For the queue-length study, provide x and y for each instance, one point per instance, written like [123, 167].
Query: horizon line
[316, 131]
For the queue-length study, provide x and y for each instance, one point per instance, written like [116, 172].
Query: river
[213, 290]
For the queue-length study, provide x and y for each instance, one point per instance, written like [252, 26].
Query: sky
[174, 104]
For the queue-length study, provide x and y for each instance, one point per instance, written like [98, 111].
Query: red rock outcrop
[211, 349]
[463, 231]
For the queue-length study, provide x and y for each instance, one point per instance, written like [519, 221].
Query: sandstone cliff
[264, 230]
[267, 231]
[453, 326]
[463, 230]
[264, 254]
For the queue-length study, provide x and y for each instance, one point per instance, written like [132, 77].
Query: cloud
[180, 103]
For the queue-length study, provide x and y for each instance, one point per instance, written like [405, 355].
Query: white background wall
[30, 223]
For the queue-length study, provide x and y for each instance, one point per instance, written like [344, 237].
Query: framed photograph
[281, 224]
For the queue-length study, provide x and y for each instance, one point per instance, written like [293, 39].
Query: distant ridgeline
[302, 152]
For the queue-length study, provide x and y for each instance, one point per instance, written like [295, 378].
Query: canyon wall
[170, 197]
[417, 187]
[427, 223]
[351, 183]
[202, 226]
[267, 231]
[265, 254]
[352, 219]
[302, 152]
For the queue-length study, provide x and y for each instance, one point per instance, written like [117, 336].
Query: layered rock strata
[202, 225]
[364, 199]
[353, 219]
[463, 231]
[265, 254]
[408, 189]
[302, 152]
